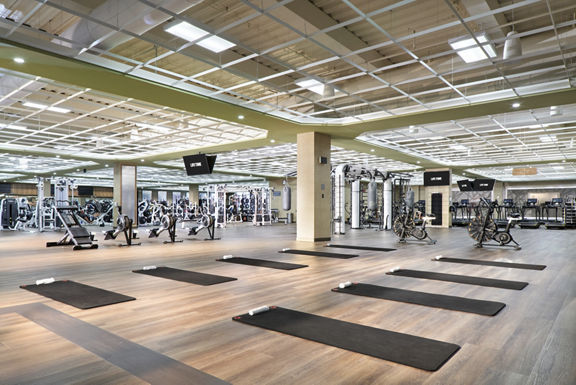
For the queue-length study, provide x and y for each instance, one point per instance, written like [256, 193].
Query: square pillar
[193, 194]
[446, 191]
[313, 190]
[125, 192]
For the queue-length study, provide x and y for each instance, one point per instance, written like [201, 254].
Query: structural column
[125, 193]
[193, 193]
[313, 222]
[438, 195]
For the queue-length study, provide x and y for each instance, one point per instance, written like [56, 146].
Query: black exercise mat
[426, 299]
[526, 266]
[263, 263]
[318, 253]
[77, 294]
[406, 349]
[186, 276]
[358, 247]
[466, 279]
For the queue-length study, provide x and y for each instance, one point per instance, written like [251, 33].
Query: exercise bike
[483, 229]
[123, 225]
[404, 227]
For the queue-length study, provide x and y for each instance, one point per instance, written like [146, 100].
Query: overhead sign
[483, 184]
[466, 185]
[199, 164]
[436, 178]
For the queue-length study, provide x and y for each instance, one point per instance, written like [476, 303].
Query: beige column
[193, 193]
[125, 192]
[446, 192]
[313, 188]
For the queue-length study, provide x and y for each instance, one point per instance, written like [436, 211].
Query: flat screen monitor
[436, 178]
[557, 200]
[508, 202]
[465, 185]
[199, 164]
[483, 184]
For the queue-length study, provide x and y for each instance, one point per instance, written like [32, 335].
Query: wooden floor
[531, 341]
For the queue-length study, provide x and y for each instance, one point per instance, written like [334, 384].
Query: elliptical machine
[483, 228]
[167, 223]
[123, 225]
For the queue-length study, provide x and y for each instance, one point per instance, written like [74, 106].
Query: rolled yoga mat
[77, 294]
[466, 279]
[370, 248]
[318, 253]
[492, 263]
[262, 263]
[406, 349]
[185, 276]
[448, 302]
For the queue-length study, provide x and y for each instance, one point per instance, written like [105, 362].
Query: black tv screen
[436, 178]
[5, 188]
[199, 164]
[465, 185]
[85, 190]
[483, 184]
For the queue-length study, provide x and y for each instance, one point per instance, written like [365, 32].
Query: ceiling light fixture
[471, 52]
[311, 85]
[240, 117]
[44, 106]
[19, 60]
[187, 31]
[372, 150]
[459, 147]
[272, 140]
[548, 138]
[14, 127]
[515, 105]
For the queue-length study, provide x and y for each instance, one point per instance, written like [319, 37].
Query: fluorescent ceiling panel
[44, 106]
[187, 31]
[471, 52]
[311, 85]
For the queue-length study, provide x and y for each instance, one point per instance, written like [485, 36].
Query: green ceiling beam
[76, 72]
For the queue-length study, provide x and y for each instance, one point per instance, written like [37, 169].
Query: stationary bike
[404, 227]
[483, 229]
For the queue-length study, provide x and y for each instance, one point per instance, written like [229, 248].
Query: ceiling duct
[130, 15]
[512, 46]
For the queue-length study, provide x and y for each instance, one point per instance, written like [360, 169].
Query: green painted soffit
[72, 71]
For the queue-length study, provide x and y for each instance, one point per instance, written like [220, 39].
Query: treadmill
[527, 222]
[464, 207]
[508, 208]
[555, 205]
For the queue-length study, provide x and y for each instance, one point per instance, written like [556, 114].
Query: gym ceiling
[99, 81]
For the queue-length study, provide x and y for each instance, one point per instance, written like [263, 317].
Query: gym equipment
[465, 279]
[184, 275]
[483, 228]
[123, 225]
[206, 222]
[261, 263]
[76, 235]
[531, 204]
[358, 247]
[491, 263]
[167, 223]
[406, 349]
[76, 294]
[448, 302]
[262, 206]
[464, 208]
[8, 213]
[318, 253]
[404, 227]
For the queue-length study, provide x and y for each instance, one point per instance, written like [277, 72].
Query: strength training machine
[76, 235]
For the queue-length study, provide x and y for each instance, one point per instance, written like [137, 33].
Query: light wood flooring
[531, 341]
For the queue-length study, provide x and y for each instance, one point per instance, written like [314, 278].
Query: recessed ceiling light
[471, 52]
[515, 105]
[372, 150]
[311, 85]
[105, 165]
[141, 160]
[57, 156]
[563, 160]
[49, 108]
[418, 162]
[14, 127]
[240, 117]
[558, 167]
[19, 60]
[272, 140]
[459, 147]
[548, 138]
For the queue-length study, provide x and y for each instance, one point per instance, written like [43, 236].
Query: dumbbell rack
[570, 213]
